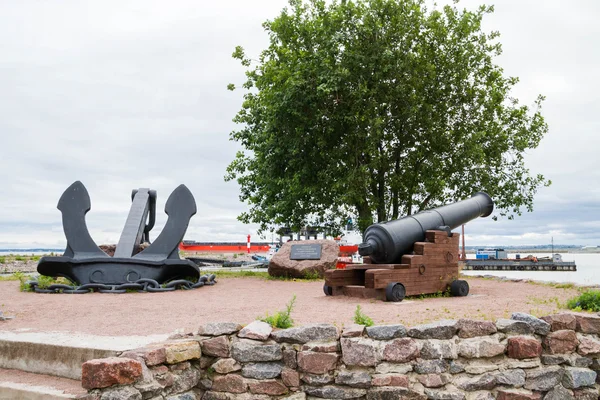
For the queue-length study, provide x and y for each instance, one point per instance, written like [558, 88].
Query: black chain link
[141, 285]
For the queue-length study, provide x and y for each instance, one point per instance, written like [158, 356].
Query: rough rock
[435, 394]
[559, 393]
[306, 333]
[540, 326]
[162, 375]
[290, 377]
[121, 393]
[431, 366]
[556, 359]
[290, 358]
[180, 351]
[218, 328]
[481, 396]
[543, 379]
[386, 332]
[226, 365]
[190, 395]
[561, 342]
[434, 380]
[511, 377]
[588, 323]
[359, 379]
[516, 394]
[401, 350]
[438, 330]
[588, 346]
[479, 347]
[152, 355]
[559, 322]
[575, 378]
[316, 363]
[334, 392]
[257, 330]
[479, 382]
[481, 366]
[394, 393]
[246, 350]
[281, 265]
[318, 380]
[524, 347]
[322, 347]
[513, 326]
[523, 364]
[295, 396]
[271, 387]
[106, 372]
[434, 349]
[586, 394]
[390, 380]
[353, 330]
[388, 368]
[216, 347]
[230, 383]
[456, 367]
[361, 351]
[184, 380]
[468, 328]
[265, 370]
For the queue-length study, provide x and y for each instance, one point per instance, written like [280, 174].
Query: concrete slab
[27, 386]
[62, 354]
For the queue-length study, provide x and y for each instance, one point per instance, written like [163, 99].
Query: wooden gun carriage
[414, 255]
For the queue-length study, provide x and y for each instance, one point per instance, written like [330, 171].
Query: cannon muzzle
[387, 242]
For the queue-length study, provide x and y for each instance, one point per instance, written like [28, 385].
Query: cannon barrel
[387, 242]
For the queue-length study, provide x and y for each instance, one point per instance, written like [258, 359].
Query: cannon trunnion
[410, 256]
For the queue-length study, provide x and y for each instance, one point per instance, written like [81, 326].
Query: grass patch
[263, 275]
[13, 258]
[361, 318]
[281, 319]
[588, 301]
[238, 274]
[438, 294]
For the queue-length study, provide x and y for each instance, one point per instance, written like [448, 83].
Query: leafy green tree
[379, 109]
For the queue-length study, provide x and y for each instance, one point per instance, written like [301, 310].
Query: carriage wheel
[459, 288]
[395, 291]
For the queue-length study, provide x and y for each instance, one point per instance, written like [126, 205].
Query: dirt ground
[244, 299]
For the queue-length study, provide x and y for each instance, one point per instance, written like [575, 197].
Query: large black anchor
[85, 264]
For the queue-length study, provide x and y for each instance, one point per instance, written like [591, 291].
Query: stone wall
[524, 357]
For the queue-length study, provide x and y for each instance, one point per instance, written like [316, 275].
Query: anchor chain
[141, 286]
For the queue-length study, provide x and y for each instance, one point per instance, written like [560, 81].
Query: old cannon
[414, 255]
[157, 267]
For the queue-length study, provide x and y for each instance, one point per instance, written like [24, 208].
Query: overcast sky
[127, 94]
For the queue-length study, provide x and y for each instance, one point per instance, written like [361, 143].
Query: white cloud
[127, 94]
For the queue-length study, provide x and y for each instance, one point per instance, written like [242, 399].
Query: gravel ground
[244, 299]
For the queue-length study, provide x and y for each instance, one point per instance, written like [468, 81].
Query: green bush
[281, 319]
[361, 318]
[588, 300]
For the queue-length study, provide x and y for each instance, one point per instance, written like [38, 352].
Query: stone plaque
[305, 252]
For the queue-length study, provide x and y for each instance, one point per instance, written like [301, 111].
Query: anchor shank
[132, 233]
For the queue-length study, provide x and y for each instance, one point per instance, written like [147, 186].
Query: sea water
[588, 270]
